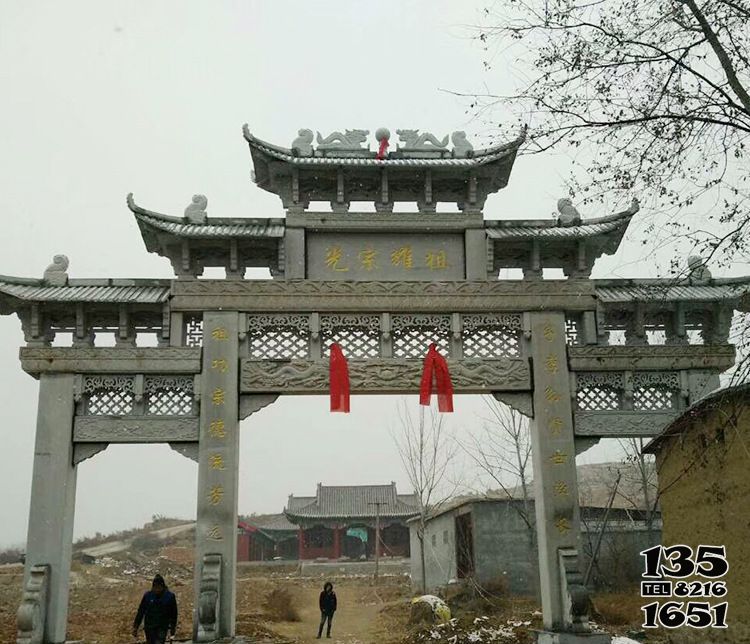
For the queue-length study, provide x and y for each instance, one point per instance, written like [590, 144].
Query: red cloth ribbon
[339, 380]
[381, 150]
[435, 375]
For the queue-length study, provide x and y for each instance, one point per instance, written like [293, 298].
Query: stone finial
[569, 215]
[196, 213]
[461, 146]
[303, 143]
[413, 140]
[382, 133]
[56, 274]
[698, 273]
[351, 140]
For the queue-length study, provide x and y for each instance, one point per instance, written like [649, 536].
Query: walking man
[327, 608]
[158, 611]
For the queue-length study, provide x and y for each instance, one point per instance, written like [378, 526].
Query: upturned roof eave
[494, 154]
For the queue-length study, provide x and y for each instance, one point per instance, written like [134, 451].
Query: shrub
[279, 606]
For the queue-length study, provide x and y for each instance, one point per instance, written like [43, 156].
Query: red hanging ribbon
[339, 380]
[436, 373]
[381, 150]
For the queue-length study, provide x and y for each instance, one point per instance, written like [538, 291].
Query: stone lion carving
[57, 272]
[413, 140]
[351, 140]
[461, 146]
[569, 215]
[698, 274]
[303, 143]
[196, 210]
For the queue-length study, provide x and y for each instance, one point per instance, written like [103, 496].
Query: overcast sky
[103, 98]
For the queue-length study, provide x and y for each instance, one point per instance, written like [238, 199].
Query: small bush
[618, 609]
[279, 606]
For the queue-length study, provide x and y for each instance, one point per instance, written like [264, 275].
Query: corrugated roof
[667, 291]
[120, 293]
[480, 157]
[339, 501]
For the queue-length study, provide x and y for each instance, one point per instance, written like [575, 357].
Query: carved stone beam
[621, 424]
[135, 429]
[32, 613]
[83, 451]
[36, 360]
[209, 599]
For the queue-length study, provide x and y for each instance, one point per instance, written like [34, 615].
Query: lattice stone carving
[599, 391]
[278, 336]
[655, 390]
[358, 335]
[491, 335]
[413, 334]
[169, 395]
[109, 395]
[193, 330]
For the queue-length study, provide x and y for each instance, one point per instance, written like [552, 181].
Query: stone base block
[548, 637]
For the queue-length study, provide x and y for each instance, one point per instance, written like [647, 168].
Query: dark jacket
[160, 611]
[327, 602]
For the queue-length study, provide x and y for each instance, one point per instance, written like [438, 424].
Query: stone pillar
[53, 493]
[555, 483]
[218, 468]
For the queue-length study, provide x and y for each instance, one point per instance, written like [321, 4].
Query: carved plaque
[385, 257]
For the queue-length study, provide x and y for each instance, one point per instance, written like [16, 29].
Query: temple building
[265, 537]
[342, 520]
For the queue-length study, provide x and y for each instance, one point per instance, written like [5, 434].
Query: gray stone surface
[53, 489]
[36, 360]
[218, 462]
[553, 453]
[56, 274]
[622, 424]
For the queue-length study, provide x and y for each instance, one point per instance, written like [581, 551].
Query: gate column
[564, 599]
[218, 474]
[50, 537]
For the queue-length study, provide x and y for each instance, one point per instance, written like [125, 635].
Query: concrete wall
[439, 555]
[505, 556]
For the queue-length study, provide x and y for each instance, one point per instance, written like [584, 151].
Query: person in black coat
[327, 608]
[158, 611]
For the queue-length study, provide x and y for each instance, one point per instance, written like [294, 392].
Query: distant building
[265, 537]
[340, 521]
[487, 538]
[704, 480]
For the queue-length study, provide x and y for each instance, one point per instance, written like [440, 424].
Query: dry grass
[279, 606]
[618, 609]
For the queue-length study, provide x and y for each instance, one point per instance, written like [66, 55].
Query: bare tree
[427, 452]
[649, 98]
[639, 488]
[501, 450]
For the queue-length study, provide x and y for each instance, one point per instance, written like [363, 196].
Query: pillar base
[548, 637]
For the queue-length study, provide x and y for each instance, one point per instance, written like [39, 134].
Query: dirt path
[357, 619]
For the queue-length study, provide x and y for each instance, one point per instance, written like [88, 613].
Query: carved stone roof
[655, 290]
[151, 222]
[393, 159]
[98, 290]
[550, 230]
[352, 501]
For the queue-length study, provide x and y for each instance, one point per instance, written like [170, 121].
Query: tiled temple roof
[270, 522]
[352, 501]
